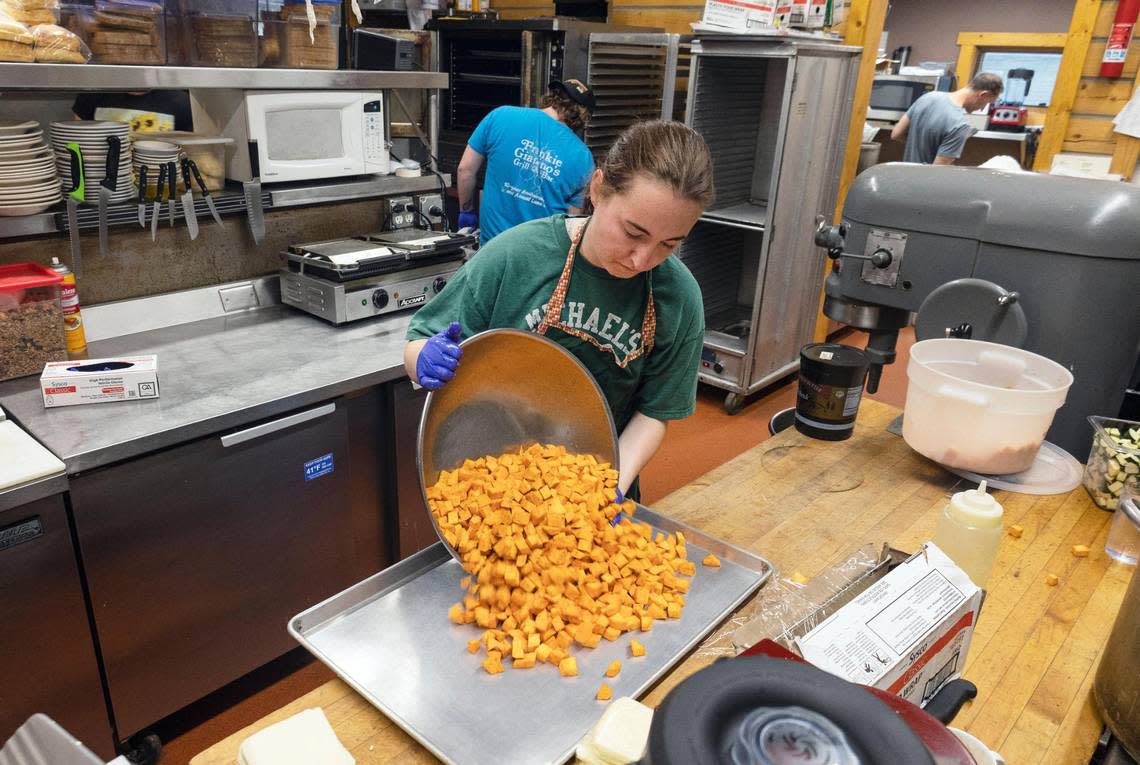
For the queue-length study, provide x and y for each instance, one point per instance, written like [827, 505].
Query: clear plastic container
[1114, 460]
[286, 41]
[212, 32]
[31, 319]
[208, 152]
[120, 31]
[1123, 543]
[980, 406]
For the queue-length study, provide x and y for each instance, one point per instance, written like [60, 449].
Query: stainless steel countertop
[214, 374]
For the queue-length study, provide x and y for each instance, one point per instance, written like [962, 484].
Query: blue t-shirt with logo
[536, 167]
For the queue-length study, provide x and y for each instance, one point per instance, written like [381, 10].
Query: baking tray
[390, 639]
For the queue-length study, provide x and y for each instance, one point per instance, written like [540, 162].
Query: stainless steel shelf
[103, 77]
[229, 202]
[743, 215]
[296, 195]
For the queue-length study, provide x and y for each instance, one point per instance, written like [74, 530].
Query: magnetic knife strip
[228, 203]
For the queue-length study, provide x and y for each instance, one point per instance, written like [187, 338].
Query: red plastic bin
[31, 319]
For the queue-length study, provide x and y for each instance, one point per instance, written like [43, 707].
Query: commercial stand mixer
[1046, 263]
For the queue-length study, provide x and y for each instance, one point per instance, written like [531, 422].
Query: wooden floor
[692, 448]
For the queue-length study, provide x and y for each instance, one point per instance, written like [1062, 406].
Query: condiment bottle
[72, 319]
[969, 531]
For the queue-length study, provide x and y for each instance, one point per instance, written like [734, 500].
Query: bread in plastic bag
[33, 5]
[30, 16]
[16, 41]
[58, 45]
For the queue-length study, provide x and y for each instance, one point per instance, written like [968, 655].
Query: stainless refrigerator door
[197, 556]
[416, 531]
[47, 654]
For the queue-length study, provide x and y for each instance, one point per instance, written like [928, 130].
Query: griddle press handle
[946, 703]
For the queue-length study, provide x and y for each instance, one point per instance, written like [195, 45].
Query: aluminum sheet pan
[390, 639]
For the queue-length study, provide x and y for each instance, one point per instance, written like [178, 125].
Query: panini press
[347, 279]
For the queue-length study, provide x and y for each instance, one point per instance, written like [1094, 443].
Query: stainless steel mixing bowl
[513, 389]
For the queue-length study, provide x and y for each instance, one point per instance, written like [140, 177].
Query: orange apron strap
[558, 297]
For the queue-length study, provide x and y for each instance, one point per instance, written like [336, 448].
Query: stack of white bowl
[28, 183]
[154, 155]
[91, 135]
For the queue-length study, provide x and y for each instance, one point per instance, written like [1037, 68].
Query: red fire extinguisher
[1116, 51]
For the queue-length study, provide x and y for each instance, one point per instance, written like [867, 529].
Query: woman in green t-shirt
[604, 287]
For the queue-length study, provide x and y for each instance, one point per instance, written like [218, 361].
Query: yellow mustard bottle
[72, 318]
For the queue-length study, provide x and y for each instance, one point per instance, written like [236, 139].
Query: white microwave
[301, 135]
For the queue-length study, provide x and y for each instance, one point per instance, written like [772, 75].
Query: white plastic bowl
[980, 406]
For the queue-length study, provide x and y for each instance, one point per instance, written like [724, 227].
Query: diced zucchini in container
[1114, 462]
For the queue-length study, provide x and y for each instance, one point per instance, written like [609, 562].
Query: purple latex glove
[618, 499]
[439, 358]
[468, 219]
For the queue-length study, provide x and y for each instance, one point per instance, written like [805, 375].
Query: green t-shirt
[510, 281]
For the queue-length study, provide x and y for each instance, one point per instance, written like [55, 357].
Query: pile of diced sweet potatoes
[548, 568]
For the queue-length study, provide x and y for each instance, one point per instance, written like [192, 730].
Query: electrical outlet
[431, 207]
[400, 212]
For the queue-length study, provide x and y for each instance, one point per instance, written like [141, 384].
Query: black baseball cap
[578, 91]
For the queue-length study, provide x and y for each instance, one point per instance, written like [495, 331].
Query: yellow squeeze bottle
[969, 531]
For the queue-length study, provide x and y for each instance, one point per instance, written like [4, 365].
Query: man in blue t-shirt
[536, 163]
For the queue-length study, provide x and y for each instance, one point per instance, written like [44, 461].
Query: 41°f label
[322, 465]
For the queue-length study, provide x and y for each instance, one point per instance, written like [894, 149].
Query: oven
[497, 63]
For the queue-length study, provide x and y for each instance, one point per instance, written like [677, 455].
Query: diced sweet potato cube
[613, 669]
[568, 667]
[473, 646]
[493, 666]
[711, 560]
[605, 693]
[636, 648]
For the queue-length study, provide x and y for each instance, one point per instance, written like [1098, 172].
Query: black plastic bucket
[831, 385]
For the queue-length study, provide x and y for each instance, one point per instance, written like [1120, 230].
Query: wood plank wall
[1099, 99]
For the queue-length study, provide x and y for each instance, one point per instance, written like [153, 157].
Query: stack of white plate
[154, 155]
[28, 183]
[92, 138]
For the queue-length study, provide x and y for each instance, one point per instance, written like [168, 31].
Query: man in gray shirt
[935, 127]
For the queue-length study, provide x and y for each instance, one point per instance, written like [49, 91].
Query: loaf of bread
[115, 37]
[58, 45]
[13, 31]
[33, 5]
[54, 36]
[21, 52]
[32, 16]
[122, 21]
[127, 32]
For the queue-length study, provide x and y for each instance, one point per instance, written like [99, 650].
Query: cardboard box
[907, 634]
[746, 16]
[808, 14]
[91, 381]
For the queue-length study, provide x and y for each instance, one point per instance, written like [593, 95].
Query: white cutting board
[22, 459]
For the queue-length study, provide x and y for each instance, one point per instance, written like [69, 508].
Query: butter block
[306, 738]
[620, 735]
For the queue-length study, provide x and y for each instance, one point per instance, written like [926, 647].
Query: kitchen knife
[252, 191]
[74, 197]
[156, 213]
[142, 196]
[188, 201]
[205, 192]
[107, 188]
[171, 189]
